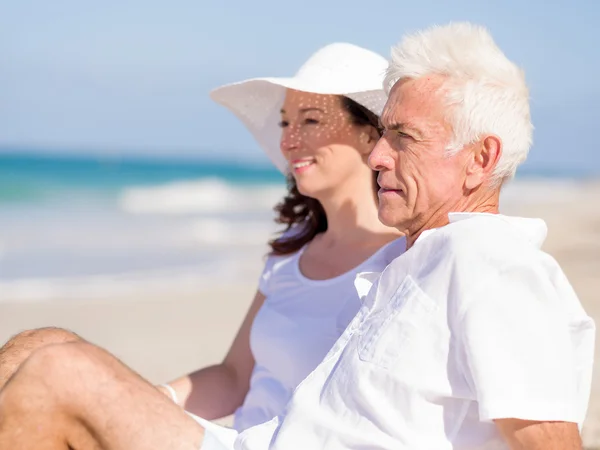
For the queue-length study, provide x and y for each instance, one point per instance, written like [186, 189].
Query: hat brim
[257, 103]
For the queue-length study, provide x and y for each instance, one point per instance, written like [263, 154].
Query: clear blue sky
[132, 77]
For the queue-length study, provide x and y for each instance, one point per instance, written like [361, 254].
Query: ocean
[81, 227]
[86, 226]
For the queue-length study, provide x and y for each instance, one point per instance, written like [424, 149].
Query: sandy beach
[162, 336]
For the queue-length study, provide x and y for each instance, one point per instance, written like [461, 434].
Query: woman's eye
[283, 123]
[311, 121]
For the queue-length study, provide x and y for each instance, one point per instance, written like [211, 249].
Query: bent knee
[42, 376]
[33, 339]
[70, 370]
[58, 360]
[21, 346]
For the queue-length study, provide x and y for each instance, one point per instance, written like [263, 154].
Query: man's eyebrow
[403, 127]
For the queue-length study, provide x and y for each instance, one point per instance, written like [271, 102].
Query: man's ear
[482, 161]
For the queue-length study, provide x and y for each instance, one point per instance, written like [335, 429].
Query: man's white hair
[485, 91]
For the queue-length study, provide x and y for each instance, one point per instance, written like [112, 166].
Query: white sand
[162, 338]
[159, 338]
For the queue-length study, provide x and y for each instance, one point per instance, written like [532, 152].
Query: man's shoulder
[473, 248]
[468, 251]
[494, 238]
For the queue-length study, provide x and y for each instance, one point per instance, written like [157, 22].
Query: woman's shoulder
[277, 265]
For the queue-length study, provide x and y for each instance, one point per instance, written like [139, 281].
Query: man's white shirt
[473, 323]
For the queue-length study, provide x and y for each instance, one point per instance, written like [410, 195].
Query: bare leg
[20, 347]
[77, 396]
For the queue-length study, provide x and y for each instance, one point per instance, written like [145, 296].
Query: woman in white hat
[319, 128]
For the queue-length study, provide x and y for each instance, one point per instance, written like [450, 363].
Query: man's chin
[388, 218]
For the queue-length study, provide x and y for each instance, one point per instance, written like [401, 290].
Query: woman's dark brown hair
[306, 213]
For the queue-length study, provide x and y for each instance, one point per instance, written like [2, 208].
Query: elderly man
[472, 339]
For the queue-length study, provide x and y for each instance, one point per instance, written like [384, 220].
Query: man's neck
[439, 218]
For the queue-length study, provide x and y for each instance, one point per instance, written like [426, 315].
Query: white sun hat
[339, 69]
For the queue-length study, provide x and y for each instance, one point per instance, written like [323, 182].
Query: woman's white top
[297, 325]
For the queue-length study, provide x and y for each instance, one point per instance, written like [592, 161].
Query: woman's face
[324, 149]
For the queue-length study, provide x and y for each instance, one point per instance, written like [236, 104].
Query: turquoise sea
[69, 219]
[38, 179]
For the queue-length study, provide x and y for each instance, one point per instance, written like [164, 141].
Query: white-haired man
[472, 339]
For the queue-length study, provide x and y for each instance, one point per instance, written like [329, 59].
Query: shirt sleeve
[516, 349]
